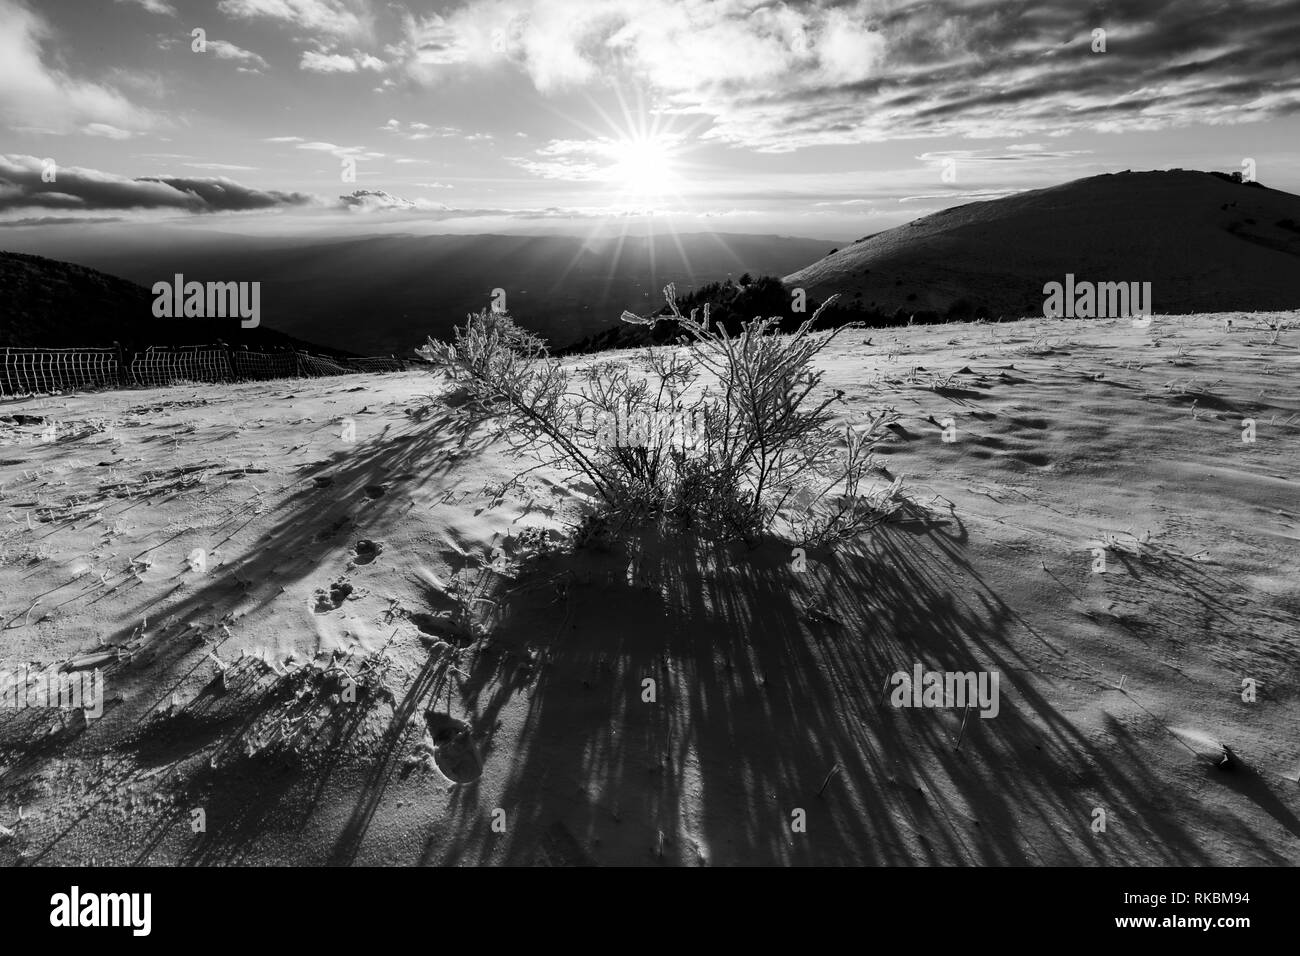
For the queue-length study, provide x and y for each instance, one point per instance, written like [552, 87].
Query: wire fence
[45, 371]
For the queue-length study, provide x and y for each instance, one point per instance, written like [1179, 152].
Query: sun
[643, 167]
[638, 157]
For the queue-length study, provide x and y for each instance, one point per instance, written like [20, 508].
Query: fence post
[121, 364]
[230, 363]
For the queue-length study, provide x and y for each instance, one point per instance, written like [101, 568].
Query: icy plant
[1278, 325]
[761, 443]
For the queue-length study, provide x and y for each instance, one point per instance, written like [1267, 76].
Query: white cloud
[379, 200]
[778, 75]
[161, 7]
[678, 45]
[222, 167]
[356, 152]
[992, 158]
[34, 93]
[224, 50]
[330, 17]
[583, 160]
[107, 131]
[433, 42]
[317, 62]
[421, 131]
[323, 61]
[969, 194]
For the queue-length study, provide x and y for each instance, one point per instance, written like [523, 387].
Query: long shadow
[768, 700]
[329, 501]
[425, 686]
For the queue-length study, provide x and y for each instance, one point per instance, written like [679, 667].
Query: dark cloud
[218, 194]
[88, 190]
[22, 187]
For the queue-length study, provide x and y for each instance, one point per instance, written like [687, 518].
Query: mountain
[1203, 241]
[49, 304]
[385, 294]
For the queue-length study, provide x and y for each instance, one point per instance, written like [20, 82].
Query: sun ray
[641, 151]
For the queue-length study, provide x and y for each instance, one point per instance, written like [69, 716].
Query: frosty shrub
[725, 434]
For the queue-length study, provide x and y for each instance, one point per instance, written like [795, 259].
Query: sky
[820, 119]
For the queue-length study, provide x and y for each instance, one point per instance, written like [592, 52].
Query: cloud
[224, 50]
[379, 200]
[586, 160]
[326, 62]
[355, 152]
[384, 205]
[421, 131]
[82, 195]
[161, 7]
[430, 43]
[777, 76]
[987, 158]
[22, 187]
[330, 17]
[320, 61]
[57, 221]
[675, 45]
[566, 159]
[149, 82]
[33, 93]
[105, 130]
[969, 195]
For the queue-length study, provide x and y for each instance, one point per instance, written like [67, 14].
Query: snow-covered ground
[1098, 529]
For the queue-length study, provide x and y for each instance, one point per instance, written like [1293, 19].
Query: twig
[962, 733]
[829, 773]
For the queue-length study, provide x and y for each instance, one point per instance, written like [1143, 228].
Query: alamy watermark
[922, 688]
[75, 909]
[211, 300]
[681, 428]
[1096, 300]
[49, 688]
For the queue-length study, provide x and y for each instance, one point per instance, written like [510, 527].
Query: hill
[731, 305]
[1204, 242]
[49, 304]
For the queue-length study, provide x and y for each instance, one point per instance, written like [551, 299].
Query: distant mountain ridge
[386, 294]
[1203, 241]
